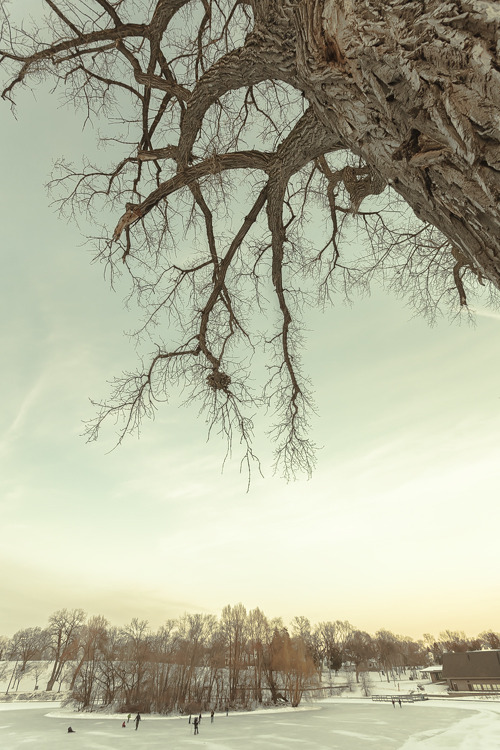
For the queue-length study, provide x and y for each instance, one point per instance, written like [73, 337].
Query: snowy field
[334, 723]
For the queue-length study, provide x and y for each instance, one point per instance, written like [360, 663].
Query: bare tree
[234, 626]
[366, 683]
[301, 628]
[4, 646]
[414, 653]
[26, 647]
[91, 649]
[455, 640]
[215, 693]
[359, 649]
[64, 633]
[490, 639]
[299, 108]
[108, 676]
[295, 663]
[38, 669]
[389, 652]
[195, 632]
[258, 630]
[163, 668]
[134, 665]
[273, 647]
[333, 637]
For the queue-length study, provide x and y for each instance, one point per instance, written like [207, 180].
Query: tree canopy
[273, 154]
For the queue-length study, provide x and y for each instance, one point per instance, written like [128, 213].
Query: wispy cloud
[485, 313]
[22, 413]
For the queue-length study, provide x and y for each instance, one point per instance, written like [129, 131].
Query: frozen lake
[343, 724]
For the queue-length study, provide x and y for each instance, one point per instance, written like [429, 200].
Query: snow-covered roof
[434, 668]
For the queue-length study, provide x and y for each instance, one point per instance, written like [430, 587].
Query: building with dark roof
[434, 673]
[472, 671]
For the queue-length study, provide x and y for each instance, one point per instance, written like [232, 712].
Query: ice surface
[334, 724]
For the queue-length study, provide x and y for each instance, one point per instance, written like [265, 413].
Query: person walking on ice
[212, 716]
[196, 723]
[137, 720]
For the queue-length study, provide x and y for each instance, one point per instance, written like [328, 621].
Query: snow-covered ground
[353, 724]
[348, 722]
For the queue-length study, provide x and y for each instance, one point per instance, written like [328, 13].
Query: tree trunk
[53, 677]
[12, 677]
[76, 672]
[414, 89]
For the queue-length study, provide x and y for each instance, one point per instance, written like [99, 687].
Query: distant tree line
[200, 661]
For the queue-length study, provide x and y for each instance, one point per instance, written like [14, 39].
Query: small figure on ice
[137, 720]
[71, 730]
[196, 723]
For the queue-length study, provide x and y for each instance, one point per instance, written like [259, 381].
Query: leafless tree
[26, 647]
[359, 649]
[273, 647]
[163, 654]
[64, 633]
[234, 626]
[295, 663]
[300, 627]
[134, 665]
[108, 679]
[38, 669]
[366, 683]
[195, 632]
[414, 653]
[91, 649]
[200, 661]
[458, 641]
[258, 630]
[490, 639]
[389, 652]
[4, 646]
[333, 637]
[243, 124]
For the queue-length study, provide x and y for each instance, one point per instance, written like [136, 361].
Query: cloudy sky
[398, 527]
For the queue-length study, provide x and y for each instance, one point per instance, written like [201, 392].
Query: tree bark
[414, 89]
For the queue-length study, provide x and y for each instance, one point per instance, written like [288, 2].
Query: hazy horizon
[158, 615]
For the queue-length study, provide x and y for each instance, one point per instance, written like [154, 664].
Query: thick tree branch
[215, 165]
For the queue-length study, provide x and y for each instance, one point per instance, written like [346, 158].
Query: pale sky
[398, 528]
